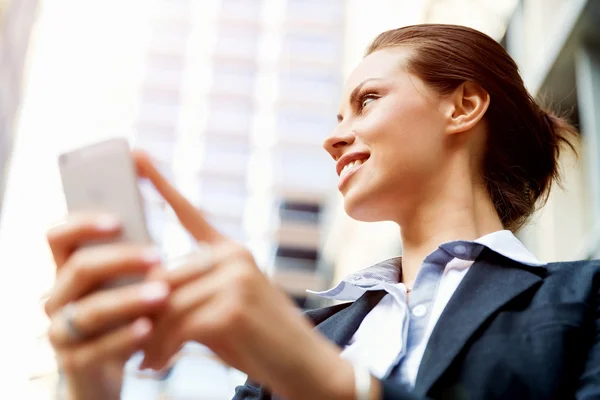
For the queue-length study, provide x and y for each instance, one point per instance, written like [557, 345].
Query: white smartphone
[102, 178]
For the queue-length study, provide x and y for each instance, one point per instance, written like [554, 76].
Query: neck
[456, 210]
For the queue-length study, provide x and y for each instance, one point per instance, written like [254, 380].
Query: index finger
[190, 217]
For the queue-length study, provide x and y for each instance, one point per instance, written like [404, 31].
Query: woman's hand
[221, 299]
[94, 331]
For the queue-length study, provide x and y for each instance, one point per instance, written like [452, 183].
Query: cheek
[405, 139]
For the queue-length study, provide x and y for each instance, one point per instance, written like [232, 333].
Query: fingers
[105, 310]
[89, 268]
[78, 229]
[120, 344]
[193, 286]
[189, 216]
[198, 263]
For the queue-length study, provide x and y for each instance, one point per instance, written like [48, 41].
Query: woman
[437, 133]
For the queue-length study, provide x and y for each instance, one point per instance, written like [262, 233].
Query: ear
[466, 107]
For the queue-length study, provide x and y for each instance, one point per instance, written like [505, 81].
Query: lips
[350, 162]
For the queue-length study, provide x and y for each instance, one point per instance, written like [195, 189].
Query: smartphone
[102, 178]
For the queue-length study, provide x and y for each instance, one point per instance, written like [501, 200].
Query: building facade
[16, 22]
[557, 47]
[232, 98]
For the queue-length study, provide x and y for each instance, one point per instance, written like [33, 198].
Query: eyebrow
[355, 92]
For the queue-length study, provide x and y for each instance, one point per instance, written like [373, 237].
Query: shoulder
[572, 281]
[576, 269]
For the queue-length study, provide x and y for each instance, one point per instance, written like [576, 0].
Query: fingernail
[107, 223]
[152, 256]
[142, 327]
[154, 291]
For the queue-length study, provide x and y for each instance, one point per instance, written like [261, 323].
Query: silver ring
[68, 314]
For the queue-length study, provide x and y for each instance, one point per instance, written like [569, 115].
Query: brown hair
[524, 140]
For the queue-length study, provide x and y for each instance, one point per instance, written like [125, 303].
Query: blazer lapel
[338, 323]
[491, 282]
[341, 326]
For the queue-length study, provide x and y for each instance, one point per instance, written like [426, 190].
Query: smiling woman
[437, 133]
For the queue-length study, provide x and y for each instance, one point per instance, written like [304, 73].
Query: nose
[337, 141]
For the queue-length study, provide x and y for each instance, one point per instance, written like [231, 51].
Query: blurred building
[16, 23]
[232, 98]
[235, 102]
[557, 46]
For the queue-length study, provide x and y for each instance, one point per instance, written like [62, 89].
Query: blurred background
[233, 98]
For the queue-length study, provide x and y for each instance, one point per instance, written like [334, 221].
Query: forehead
[381, 64]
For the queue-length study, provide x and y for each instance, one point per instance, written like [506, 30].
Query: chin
[363, 208]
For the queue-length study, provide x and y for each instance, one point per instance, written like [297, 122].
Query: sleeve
[389, 390]
[393, 391]
[250, 391]
[589, 380]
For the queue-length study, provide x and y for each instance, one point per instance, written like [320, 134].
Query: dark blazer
[510, 331]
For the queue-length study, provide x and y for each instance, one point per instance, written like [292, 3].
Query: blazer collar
[341, 325]
[491, 282]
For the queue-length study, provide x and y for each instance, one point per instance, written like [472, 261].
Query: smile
[348, 165]
[351, 166]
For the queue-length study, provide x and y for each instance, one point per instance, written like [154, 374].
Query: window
[307, 169]
[296, 211]
[303, 254]
[241, 9]
[237, 42]
[234, 79]
[289, 258]
[311, 87]
[318, 48]
[159, 113]
[229, 115]
[169, 41]
[324, 11]
[305, 126]
[164, 69]
[223, 196]
[226, 154]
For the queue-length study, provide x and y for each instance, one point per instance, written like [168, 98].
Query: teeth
[349, 167]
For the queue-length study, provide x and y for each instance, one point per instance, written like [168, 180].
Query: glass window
[234, 79]
[291, 252]
[158, 113]
[306, 169]
[317, 47]
[164, 69]
[241, 9]
[223, 196]
[324, 11]
[169, 41]
[295, 211]
[304, 125]
[291, 258]
[309, 87]
[237, 42]
[229, 115]
[226, 154]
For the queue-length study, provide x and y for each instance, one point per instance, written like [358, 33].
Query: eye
[367, 99]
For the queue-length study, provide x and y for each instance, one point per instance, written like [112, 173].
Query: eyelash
[363, 97]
